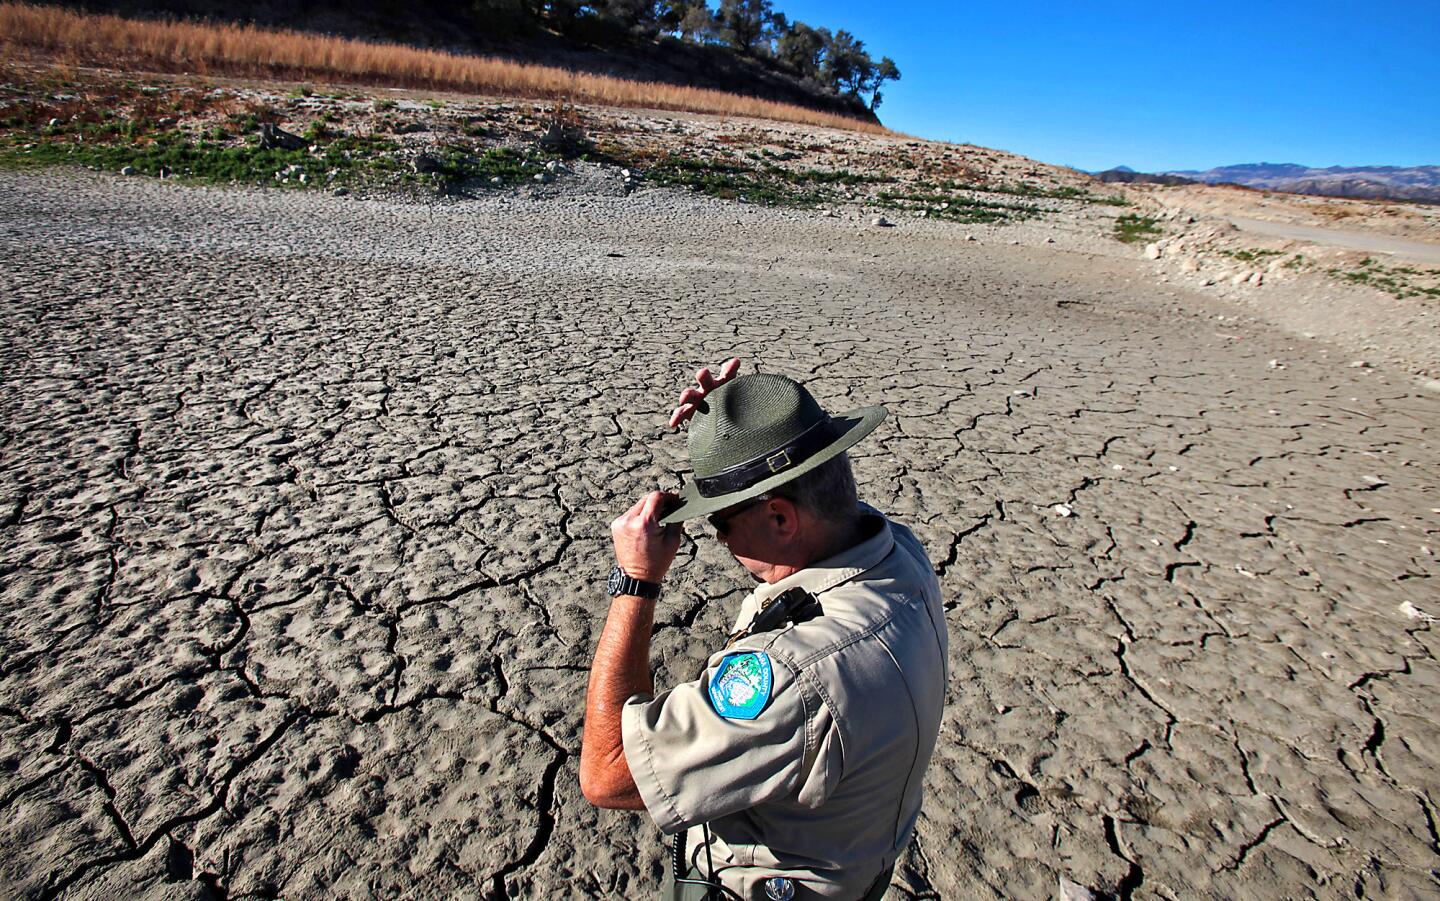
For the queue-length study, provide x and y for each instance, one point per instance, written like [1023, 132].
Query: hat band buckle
[741, 476]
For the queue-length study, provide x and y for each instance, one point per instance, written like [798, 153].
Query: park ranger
[793, 766]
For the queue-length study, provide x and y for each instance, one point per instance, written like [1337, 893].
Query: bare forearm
[620, 670]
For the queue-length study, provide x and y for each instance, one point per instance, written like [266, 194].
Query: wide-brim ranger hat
[754, 434]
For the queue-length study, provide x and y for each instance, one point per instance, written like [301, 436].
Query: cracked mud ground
[304, 517]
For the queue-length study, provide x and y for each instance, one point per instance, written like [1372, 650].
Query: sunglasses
[720, 521]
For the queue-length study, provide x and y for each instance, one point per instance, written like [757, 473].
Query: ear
[782, 517]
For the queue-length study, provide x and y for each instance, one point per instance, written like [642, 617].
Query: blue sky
[1155, 86]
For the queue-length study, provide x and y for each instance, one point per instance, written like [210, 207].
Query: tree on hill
[744, 23]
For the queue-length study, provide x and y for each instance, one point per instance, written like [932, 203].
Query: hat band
[742, 475]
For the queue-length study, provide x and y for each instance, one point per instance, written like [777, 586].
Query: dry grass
[75, 39]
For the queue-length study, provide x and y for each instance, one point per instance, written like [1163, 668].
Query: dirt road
[304, 522]
[1408, 251]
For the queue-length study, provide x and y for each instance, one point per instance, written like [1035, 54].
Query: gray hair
[828, 491]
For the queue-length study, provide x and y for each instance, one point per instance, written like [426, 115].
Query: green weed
[1131, 228]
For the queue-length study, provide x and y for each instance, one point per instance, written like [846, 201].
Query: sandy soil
[304, 519]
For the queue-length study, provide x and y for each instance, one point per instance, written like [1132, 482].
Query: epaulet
[795, 605]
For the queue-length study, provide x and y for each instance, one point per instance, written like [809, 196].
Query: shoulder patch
[741, 685]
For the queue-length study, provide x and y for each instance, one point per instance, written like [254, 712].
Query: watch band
[620, 583]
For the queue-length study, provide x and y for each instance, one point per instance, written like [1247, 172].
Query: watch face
[615, 578]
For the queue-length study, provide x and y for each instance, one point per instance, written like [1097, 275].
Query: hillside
[595, 44]
[1417, 183]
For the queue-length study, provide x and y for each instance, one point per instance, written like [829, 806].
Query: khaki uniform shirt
[824, 784]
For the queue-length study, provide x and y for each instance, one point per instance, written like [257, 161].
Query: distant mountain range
[1416, 183]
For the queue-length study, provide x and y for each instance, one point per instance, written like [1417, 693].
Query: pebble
[1275, 364]
[341, 192]
[880, 221]
[1062, 509]
[128, 170]
[1360, 364]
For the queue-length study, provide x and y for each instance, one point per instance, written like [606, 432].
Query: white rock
[1275, 364]
[1062, 509]
[1152, 251]
[1189, 264]
[496, 180]
[971, 238]
[1073, 891]
[1376, 481]
[1360, 364]
[1414, 612]
[1117, 467]
[1256, 279]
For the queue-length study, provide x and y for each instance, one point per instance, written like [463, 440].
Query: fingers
[705, 382]
[692, 396]
[681, 414]
[653, 505]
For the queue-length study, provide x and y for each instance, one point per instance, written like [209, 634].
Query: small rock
[1049, 240]
[1189, 264]
[1376, 481]
[1360, 364]
[496, 180]
[341, 192]
[1275, 364]
[1073, 891]
[552, 166]
[624, 173]
[424, 164]
[544, 177]
[971, 238]
[128, 170]
[1117, 467]
[1414, 612]
[1002, 708]
[1062, 510]
[1152, 251]
[880, 222]
[1256, 279]
[272, 137]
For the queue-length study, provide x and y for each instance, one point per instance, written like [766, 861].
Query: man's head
[770, 465]
[793, 526]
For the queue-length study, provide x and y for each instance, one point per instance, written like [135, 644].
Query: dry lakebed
[304, 525]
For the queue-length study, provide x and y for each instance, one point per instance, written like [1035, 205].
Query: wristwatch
[622, 584]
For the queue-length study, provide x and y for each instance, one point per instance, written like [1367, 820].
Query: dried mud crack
[303, 524]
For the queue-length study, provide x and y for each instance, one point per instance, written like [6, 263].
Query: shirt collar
[842, 567]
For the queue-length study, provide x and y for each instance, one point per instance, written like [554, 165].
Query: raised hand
[706, 381]
[644, 549]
